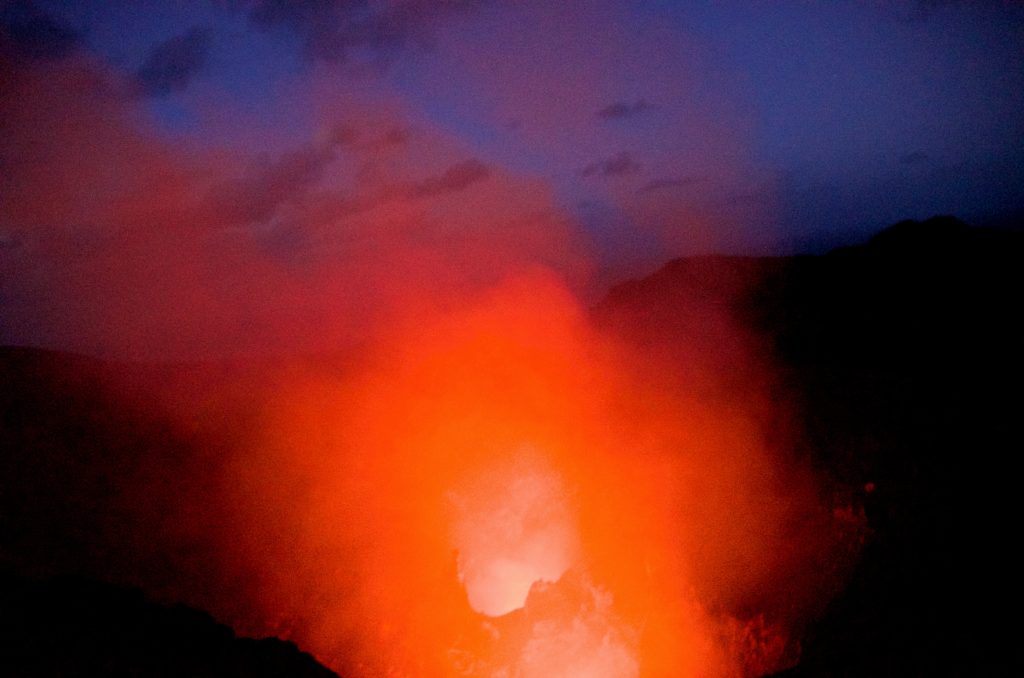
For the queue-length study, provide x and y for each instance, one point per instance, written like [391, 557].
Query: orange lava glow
[503, 492]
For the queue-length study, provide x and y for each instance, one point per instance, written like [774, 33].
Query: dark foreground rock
[75, 627]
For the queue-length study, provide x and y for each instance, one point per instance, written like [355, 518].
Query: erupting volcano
[514, 493]
[508, 338]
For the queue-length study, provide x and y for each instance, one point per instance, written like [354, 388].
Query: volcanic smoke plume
[503, 491]
[489, 485]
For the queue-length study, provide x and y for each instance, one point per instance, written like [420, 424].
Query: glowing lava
[512, 527]
[519, 551]
[501, 492]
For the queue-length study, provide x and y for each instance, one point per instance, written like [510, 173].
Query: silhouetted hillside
[87, 445]
[75, 627]
[901, 357]
[905, 359]
[92, 464]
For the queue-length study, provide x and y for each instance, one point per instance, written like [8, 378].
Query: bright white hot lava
[513, 526]
[518, 544]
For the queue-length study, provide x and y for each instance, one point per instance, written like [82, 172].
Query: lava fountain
[503, 492]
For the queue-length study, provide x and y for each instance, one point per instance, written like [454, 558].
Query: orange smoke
[491, 487]
[502, 491]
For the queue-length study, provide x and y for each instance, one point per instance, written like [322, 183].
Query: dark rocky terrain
[904, 358]
[77, 627]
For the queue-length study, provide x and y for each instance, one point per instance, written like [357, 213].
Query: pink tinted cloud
[121, 243]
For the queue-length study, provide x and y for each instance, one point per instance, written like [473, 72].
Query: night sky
[201, 178]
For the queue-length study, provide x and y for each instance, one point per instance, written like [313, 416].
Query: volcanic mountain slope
[903, 357]
[85, 447]
[76, 627]
[906, 358]
[92, 461]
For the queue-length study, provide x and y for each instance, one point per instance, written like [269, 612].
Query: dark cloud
[330, 29]
[915, 158]
[661, 184]
[286, 240]
[35, 34]
[616, 166]
[172, 64]
[396, 136]
[257, 197]
[456, 178]
[269, 184]
[923, 9]
[318, 24]
[9, 241]
[622, 109]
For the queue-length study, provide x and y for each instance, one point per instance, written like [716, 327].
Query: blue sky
[617, 134]
[844, 108]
